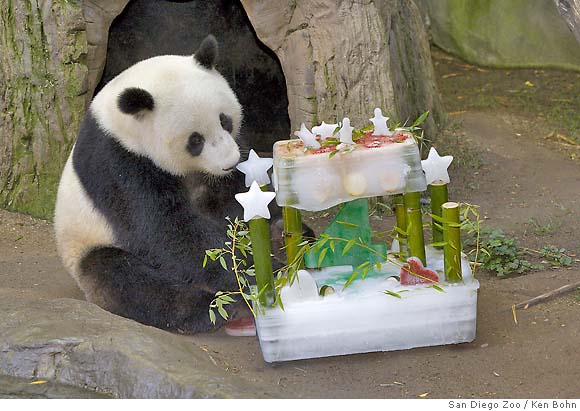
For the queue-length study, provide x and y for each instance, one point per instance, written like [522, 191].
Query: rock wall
[344, 57]
[43, 53]
[500, 33]
[570, 11]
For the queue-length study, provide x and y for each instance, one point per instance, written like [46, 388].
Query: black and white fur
[139, 200]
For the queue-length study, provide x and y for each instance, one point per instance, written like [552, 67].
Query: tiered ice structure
[310, 180]
[321, 317]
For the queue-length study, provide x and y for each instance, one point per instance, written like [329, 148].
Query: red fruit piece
[241, 327]
[414, 273]
[325, 149]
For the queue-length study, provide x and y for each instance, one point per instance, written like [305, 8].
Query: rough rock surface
[343, 58]
[76, 343]
[499, 33]
[570, 10]
[42, 73]
[98, 14]
[11, 387]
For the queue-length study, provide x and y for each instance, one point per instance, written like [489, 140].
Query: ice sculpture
[353, 296]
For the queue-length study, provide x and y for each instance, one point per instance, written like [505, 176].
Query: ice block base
[363, 318]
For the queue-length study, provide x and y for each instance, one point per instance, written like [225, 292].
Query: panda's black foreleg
[123, 284]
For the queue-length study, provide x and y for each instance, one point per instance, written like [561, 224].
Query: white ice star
[435, 167]
[346, 132]
[256, 169]
[307, 137]
[325, 130]
[255, 202]
[380, 123]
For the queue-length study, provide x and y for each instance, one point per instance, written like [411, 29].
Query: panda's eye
[226, 122]
[195, 144]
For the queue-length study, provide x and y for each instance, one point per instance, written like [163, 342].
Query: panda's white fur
[124, 228]
[185, 94]
[78, 225]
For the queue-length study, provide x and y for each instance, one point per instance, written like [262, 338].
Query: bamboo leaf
[228, 299]
[223, 312]
[353, 277]
[212, 316]
[347, 224]
[320, 243]
[392, 294]
[436, 287]
[321, 256]
[439, 244]
[223, 263]
[400, 231]
[420, 119]
[348, 246]
[362, 265]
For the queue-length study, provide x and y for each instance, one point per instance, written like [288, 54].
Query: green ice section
[351, 222]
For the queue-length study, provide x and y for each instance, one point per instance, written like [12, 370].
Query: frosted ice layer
[362, 318]
[310, 179]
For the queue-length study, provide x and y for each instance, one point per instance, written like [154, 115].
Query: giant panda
[140, 198]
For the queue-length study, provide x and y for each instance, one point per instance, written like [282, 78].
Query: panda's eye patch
[226, 122]
[195, 144]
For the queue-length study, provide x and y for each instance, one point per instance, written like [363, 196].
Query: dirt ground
[526, 184]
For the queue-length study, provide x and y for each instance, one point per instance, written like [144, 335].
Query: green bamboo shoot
[415, 239]
[261, 249]
[439, 195]
[452, 238]
[292, 232]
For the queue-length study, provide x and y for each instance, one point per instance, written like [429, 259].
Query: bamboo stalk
[261, 249]
[400, 213]
[292, 232]
[415, 239]
[439, 195]
[452, 238]
[548, 296]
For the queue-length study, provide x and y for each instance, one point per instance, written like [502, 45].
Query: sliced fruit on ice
[414, 273]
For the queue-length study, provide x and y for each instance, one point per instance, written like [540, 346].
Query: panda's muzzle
[228, 169]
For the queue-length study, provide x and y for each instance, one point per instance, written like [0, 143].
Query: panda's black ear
[134, 100]
[207, 53]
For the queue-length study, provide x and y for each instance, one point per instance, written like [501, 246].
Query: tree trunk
[570, 10]
[42, 73]
[344, 58]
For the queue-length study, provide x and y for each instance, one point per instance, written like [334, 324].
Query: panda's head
[177, 111]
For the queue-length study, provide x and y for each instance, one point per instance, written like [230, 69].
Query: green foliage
[234, 253]
[556, 256]
[502, 255]
[543, 229]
